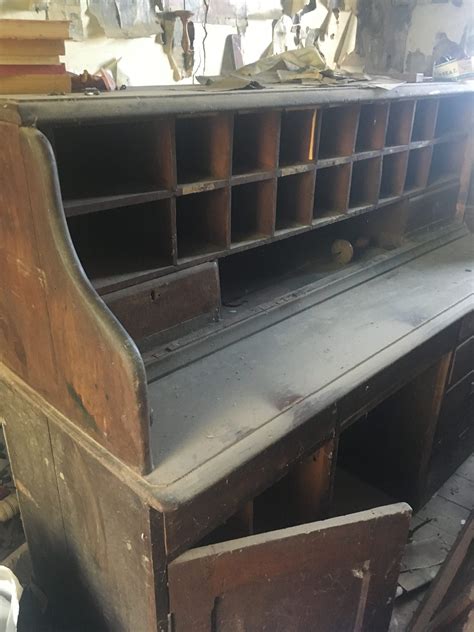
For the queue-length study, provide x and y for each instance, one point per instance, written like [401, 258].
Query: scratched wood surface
[338, 574]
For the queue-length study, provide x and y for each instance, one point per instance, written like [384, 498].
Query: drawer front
[463, 362]
[467, 327]
[163, 303]
[456, 413]
[448, 457]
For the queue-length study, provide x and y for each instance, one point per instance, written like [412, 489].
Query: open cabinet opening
[365, 184]
[202, 221]
[252, 211]
[263, 274]
[297, 136]
[338, 131]
[386, 448]
[316, 487]
[400, 123]
[202, 148]
[114, 159]
[255, 141]
[114, 244]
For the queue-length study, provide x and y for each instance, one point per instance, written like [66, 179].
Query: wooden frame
[338, 131]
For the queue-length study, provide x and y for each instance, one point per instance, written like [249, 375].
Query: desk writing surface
[213, 403]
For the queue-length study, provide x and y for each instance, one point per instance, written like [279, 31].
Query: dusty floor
[434, 530]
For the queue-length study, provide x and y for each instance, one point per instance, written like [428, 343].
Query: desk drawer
[467, 327]
[457, 413]
[463, 362]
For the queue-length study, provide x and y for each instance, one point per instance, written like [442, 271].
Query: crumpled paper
[304, 66]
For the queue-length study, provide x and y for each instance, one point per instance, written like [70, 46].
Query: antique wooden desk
[219, 313]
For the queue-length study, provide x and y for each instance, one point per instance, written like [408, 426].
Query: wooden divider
[373, 121]
[178, 191]
[297, 138]
[203, 147]
[332, 190]
[338, 131]
[419, 161]
[253, 211]
[424, 123]
[295, 195]
[255, 142]
[394, 168]
[365, 183]
[202, 223]
[400, 123]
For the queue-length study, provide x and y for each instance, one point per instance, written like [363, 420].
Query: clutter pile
[29, 57]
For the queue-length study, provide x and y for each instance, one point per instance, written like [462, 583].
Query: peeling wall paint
[392, 34]
[125, 18]
[428, 19]
[382, 33]
[400, 34]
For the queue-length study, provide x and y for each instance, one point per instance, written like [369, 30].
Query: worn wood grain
[317, 577]
[74, 352]
[114, 550]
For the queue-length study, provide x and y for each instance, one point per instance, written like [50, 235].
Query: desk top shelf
[173, 216]
[241, 178]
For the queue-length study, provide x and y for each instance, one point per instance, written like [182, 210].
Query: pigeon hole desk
[209, 415]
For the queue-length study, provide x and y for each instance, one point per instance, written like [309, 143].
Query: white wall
[430, 18]
[141, 58]
[145, 62]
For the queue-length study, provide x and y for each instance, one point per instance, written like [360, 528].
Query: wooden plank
[338, 131]
[311, 483]
[106, 202]
[288, 580]
[458, 607]
[37, 47]
[422, 618]
[34, 29]
[26, 345]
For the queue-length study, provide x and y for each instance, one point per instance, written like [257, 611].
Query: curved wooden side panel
[55, 332]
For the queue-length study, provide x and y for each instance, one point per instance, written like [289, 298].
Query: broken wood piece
[430, 615]
[423, 554]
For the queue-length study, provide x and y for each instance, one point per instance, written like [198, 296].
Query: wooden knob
[342, 251]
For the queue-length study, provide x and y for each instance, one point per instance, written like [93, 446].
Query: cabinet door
[333, 575]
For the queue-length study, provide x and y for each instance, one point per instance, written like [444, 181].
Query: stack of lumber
[29, 57]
